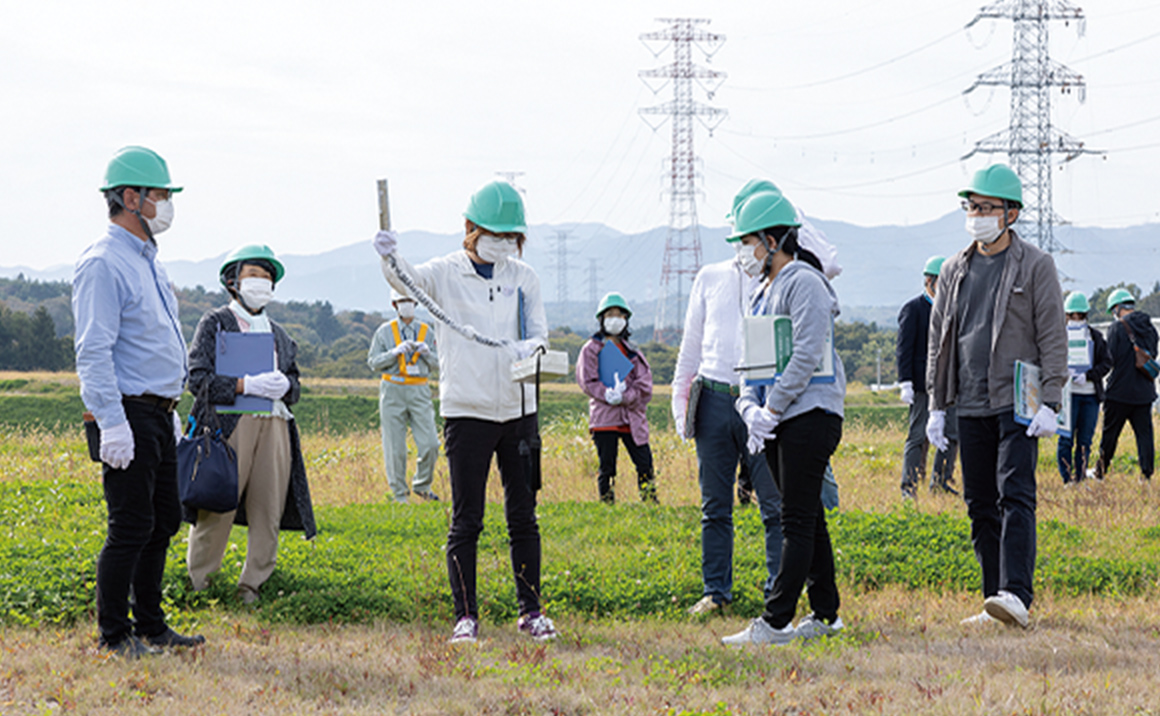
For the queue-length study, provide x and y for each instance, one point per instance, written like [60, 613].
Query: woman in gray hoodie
[795, 417]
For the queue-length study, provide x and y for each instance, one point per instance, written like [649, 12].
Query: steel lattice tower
[561, 267]
[682, 257]
[1030, 140]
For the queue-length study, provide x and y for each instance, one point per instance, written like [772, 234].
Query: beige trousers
[263, 449]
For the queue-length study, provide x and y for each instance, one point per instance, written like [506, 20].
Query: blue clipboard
[612, 362]
[241, 354]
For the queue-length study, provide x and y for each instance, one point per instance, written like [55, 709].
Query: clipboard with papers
[613, 363]
[769, 347]
[1028, 392]
[240, 354]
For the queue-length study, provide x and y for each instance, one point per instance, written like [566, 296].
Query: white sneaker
[979, 619]
[811, 627]
[466, 631]
[537, 626]
[1007, 608]
[760, 632]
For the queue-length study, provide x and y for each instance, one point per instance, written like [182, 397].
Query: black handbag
[207, 468]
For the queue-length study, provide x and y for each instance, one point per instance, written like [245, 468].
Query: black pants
[144, 512]
[797, 459]
[1140, 416]
[999, 489]
[641, 455]
[469, 444]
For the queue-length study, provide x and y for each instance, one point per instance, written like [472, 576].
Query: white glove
[615, 394]
[1079, 379]
[761, 424]
[271, 385]
[526, 348]
[680, 417]
[398, 350]
[386, 242]
[936, 426]
[117, 446]
[176, 427]
[1043, 424]
[906, 392]
[422, 347]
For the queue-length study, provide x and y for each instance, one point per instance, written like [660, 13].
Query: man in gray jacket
[998, 301]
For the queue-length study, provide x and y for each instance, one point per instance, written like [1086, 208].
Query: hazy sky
[278, 117]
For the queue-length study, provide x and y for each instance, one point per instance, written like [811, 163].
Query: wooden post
[384, 206]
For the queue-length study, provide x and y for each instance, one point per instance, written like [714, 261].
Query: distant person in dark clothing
[910, 353]
[1088, 362]
[1131, 391]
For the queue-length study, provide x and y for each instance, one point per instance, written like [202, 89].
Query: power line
[850, 130]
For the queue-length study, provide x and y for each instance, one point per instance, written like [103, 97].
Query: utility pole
[593, 288]
[510, 178]
[682, 257]
[1030, 140]
[561, 266]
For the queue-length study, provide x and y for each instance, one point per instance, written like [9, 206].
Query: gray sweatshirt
[801, 292]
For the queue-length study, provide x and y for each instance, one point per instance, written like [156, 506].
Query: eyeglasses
[980, 208]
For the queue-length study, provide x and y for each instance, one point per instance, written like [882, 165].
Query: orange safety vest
[401, 377]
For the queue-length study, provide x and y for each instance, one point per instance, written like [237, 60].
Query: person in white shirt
[711, 347]
[493, 296]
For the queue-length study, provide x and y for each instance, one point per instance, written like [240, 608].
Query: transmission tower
[682, 257]
[510, 178]
[1030, 140]
[561, 266]
[593, 288]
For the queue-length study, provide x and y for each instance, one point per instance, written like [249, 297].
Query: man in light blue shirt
[131, 360]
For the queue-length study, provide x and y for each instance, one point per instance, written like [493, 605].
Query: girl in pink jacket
[616, 405]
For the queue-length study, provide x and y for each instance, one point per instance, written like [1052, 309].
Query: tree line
[36, 332]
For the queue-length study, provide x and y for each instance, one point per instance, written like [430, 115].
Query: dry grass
[905, 652]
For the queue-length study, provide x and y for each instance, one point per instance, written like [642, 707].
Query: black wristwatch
[1054, 407]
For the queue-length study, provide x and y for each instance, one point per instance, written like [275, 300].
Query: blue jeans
[999, 489]
[1085, 410]
[720, 437]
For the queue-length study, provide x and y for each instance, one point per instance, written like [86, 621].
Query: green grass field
[356, 620]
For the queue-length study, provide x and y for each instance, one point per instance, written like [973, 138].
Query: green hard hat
[1076, 303]
[138, 166]
[751, 187]
[497, 207]
[1120, 295]
[612, 300]
[762, 210]
[997, 180]
[252, 252]
[933, 266]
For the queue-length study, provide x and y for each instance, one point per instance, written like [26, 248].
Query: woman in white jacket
[491, 293]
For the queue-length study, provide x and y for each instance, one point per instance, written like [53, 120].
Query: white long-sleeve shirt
[713, 340]
[474, 379]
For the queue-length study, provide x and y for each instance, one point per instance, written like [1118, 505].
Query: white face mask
[405, 309]
[614, 325]
[1076, 324]
[163, 218]
[493, 249]
[256, 292]
[984, 229]
[749, 263]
